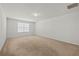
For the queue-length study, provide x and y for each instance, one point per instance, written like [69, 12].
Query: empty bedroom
[39, 29]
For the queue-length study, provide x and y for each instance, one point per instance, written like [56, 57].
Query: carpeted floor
[38, 46]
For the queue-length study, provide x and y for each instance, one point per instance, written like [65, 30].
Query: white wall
[63, 28]
[12, 29]
[2, 28]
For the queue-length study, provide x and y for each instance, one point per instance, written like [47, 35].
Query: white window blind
[23, 27]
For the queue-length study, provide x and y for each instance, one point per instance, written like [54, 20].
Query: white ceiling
[45, 10]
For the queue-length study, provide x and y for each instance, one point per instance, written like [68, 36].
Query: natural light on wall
[23, 27]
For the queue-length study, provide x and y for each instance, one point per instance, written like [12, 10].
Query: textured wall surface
[63, 28]
[12, 28]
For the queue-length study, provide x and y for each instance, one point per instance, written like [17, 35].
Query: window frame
[23, 27]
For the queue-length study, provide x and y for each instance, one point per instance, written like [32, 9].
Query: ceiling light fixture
[36, 14]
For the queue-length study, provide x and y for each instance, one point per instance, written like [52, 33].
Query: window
[23, 27]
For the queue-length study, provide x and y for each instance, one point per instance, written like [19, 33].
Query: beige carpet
[38, 46]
